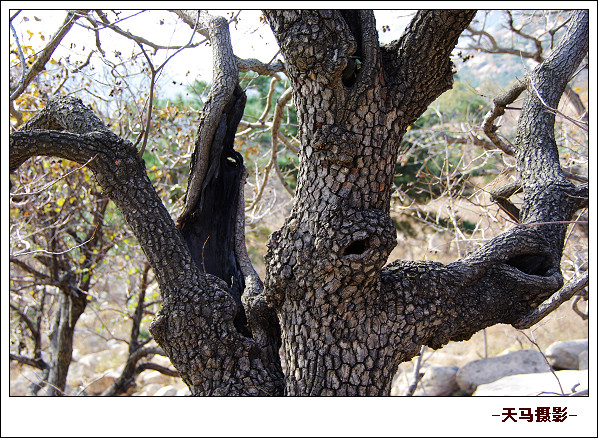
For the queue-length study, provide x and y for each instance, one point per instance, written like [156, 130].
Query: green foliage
[426, 157]
[462, 103]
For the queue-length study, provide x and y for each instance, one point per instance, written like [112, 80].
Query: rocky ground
[561, 370]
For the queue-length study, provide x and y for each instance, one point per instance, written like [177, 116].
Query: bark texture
[195, 326]
[347, 322]
[341, 334]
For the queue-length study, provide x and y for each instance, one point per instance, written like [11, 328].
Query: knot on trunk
[334, 250]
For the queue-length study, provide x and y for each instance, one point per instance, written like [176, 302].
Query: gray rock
[545, 384]
[100, 384]
[183, 392]
[150, 389]
[149, 377]
[564, 355]
[583, 360]
[438, 381]
[166, 391]
[491, 369]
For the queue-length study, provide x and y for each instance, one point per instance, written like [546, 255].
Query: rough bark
[341, 334]
[195, 326]
[347, 322]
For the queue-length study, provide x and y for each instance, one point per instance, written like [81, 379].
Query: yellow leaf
[43, 38]
[60, 202]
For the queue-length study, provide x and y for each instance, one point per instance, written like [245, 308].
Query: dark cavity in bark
[356, 247]
[531, 264]
[209, 229]
[353, 21]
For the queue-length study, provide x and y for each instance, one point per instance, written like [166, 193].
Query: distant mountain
[502, 69]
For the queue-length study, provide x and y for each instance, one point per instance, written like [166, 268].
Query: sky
[250, 39]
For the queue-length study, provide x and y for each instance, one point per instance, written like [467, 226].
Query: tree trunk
[346, 322]
[71, 305]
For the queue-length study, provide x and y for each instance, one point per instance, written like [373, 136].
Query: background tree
[345, 321]
[63, 230]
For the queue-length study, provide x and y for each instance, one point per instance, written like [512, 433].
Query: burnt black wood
[209, 230]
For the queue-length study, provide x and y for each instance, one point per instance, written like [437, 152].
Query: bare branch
[21, 82]
[226, 70]
[154, 366]
[50, 184]
[252, 64]
[498, 109]
[278, 113]
[551, 304]
[30, 325]
[501, 196]
[133, 37]
[150, 99]
[35, 363]
[28, 269]
[579, 123]
[417, 376]
[81, 66]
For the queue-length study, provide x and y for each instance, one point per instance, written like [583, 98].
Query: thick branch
[35, 363]
[154, 366]
[225, 78]
[548, 306]
[418, 65]
[499, 283]
[498, 109]
[548, 194]
[252, 64]
[195, 325]
[30, 325]
[510, 276]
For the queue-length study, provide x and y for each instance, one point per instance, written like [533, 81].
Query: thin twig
[19, 86]
[552, 303]
[417, 376]
[545, 360]
[580, 124]
[50, 184]
[56, 253]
